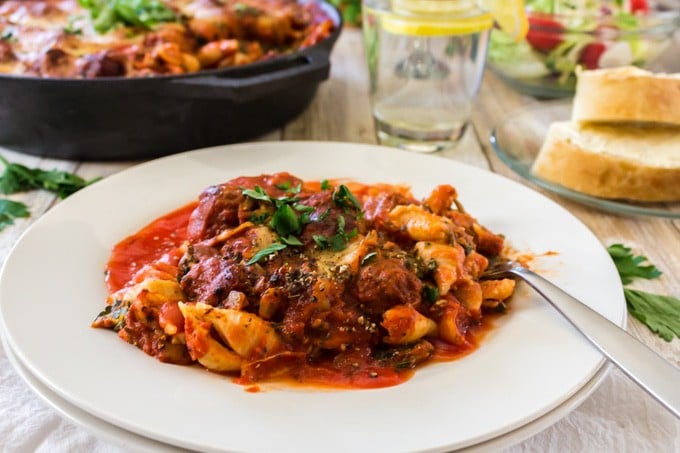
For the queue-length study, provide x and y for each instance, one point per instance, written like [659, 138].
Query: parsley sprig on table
[10, 210]
[660, 313]
[630, 266]
[19, 178]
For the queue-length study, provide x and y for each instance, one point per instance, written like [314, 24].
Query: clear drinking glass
[426, 61]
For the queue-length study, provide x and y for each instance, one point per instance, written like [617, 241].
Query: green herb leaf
[631, 266]
[344, 198]
[257, 193]
[18, 178]
[321, 241]
[325, 185]
[273, 248]
[303, 208]
[259, 218]
[338, 242]
[660, 313]
[10, 210]
[107, 14]
[430, 293]
[291, 240]
[323, 215]
[285, 221]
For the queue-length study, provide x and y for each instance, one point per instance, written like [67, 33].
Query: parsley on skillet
[107, 14]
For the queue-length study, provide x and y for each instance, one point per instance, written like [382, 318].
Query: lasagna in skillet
[137, 38]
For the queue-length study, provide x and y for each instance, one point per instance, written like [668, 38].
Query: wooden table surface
[340, 112]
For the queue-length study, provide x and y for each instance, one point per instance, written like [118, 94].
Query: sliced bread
[627, 94]
[634, 163]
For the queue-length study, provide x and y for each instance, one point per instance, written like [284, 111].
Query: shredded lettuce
[515, 59]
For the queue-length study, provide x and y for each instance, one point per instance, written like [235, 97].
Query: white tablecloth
[618, 417]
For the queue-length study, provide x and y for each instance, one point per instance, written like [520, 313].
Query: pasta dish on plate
[337, 283]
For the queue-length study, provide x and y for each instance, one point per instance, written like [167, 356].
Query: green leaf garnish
[285, 221]
[273, 248]
[344, 198]
[321, 241]
[107, 14]
[257, 193]
[325, 185]
[10, 210]
[660, 313]
[291, 240]
[630, 266]
[430, 293]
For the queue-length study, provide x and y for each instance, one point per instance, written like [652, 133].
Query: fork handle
[644, 366]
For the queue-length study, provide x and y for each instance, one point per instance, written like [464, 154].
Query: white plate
[132, 442]
[106, 431]
[51, 287]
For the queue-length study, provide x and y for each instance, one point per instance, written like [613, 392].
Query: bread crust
[604, 175]
[627, 94]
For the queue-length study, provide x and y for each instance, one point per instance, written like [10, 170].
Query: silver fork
[648, 369]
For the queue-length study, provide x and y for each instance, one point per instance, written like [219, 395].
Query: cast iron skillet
[112, 118]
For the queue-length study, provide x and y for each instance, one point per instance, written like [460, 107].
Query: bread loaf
[627, 94]
[619, 162]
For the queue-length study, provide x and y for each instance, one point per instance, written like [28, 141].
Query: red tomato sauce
[165, 234]
[161, 236]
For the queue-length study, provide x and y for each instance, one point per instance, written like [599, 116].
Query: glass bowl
[518, 139]
[543, 65]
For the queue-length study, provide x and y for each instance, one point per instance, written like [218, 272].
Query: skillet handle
[310, 68]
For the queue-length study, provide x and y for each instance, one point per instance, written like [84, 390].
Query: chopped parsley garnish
[113, 316]
[257, 193]
[339, 240]
[321, 241]
[325, 185]
[661, 314]
[430, 293]
[290, 217]
[10, 210]
[273, 248]
[107, 14]
[285, 221]
[344, 198]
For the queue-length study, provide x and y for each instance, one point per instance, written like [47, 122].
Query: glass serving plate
[518, 139]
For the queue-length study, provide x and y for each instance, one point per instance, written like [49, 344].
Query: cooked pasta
[270, 277]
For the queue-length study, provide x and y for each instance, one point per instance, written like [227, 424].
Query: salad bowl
[592, 34]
